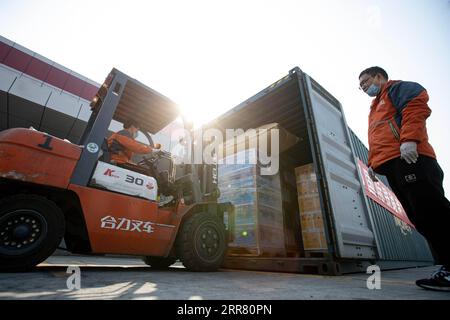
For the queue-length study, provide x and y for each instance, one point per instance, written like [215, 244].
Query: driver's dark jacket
[122, 146]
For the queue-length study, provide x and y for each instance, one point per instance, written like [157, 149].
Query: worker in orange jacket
[123, 145]
[399, 149]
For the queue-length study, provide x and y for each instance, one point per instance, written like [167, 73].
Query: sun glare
[198, 114]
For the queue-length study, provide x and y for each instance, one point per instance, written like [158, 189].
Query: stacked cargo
[258, 219]
[258, 199]
[311, 217]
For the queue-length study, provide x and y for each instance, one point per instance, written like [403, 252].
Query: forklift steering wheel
[148, 160]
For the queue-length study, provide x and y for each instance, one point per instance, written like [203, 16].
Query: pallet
[321, 266]
[316, 254]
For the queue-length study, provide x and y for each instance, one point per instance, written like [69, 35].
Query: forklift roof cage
[120, 98]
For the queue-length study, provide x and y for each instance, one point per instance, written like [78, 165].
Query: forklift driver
[122, 146]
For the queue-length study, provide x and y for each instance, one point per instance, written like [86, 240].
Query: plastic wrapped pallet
[311, 217]
[258, 224]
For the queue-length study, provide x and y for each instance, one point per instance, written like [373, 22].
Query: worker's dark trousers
[418, 186]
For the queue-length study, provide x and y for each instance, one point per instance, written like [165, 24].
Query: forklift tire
[159, 263]
[201, 243]
[31, 228]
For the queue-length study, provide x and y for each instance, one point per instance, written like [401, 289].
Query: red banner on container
[381, 194]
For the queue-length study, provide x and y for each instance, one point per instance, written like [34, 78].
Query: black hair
[373, 71]
[130, 122]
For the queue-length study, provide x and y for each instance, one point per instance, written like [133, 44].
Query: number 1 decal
[47, 142]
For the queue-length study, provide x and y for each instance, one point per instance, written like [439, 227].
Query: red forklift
[52, 189]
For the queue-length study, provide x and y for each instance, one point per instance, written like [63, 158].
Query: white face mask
[135, 134]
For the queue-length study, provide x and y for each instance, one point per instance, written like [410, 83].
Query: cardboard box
[318, 221]
[305, 172]
[306, 187]
[312, 221]
[323, 240]
[314, 240]
[308, 203]
[311, 218]
[307, 222]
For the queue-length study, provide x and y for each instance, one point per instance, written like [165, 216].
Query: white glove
[408, 152]
[372, 175]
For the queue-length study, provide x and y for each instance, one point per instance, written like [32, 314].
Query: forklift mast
[103, 106]
[203, 178]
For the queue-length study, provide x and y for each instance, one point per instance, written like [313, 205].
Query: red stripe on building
[17, 59]
[41, 70]
[38, 69]
[75, 85]
[4, 50]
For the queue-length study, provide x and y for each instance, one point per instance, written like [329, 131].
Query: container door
[335, 163]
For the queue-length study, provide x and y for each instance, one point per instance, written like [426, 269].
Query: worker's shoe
[439, 281]
[163, 200]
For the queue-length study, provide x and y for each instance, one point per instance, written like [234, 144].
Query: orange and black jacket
[397, 115]
[122, 146]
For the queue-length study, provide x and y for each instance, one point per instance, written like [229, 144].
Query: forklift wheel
[201, 242]
[31, 228]
[159, 263]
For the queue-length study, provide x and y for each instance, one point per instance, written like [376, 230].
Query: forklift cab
[122, 98]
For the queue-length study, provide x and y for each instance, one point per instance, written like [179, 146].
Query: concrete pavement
[129, 278]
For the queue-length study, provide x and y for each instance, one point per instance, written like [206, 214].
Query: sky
[209, 56]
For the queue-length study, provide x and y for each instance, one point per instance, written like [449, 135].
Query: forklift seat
[106, 157]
